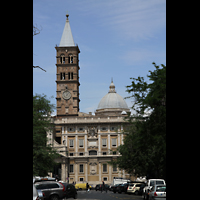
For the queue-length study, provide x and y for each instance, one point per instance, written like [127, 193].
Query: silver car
[158, 192]
[35, 193]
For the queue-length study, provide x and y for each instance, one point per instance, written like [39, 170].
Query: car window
[131, 185]
[41, 186]
[161, 189]
[151, 183]
[53, 185]
[138, 185]
[159, 182]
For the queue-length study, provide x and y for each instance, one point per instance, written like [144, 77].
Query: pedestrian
[104, 187]
[87, 186]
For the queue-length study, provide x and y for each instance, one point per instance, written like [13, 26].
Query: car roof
[45, 182]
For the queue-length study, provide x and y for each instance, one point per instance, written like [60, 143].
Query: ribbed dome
[112, 101]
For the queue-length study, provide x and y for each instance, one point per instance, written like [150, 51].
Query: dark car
[70, 190]
[52, 190]
[122, 188]
[99, 186]
[114, 188]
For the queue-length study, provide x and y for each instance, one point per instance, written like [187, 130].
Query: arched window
[92, 152]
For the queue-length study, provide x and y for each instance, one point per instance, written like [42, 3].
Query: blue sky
[117, 38]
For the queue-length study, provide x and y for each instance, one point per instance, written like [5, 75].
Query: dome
[112, 102]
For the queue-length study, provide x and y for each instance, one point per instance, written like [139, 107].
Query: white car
[158, 192]
[35, 193]
[134, 188]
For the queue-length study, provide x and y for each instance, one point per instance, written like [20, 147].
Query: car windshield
[161, 189]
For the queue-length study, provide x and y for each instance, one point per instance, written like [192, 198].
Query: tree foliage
[144, 149]
[43, 154]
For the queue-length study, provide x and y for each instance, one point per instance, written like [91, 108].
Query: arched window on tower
[62, 59]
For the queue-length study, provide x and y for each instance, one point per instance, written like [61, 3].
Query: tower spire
[67, 38]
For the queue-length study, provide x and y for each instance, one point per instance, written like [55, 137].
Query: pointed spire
[67, 38]
[112, 87]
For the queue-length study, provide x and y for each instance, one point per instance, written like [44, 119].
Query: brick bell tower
[67, 74]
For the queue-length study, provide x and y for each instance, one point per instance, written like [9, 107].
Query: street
[97, 195]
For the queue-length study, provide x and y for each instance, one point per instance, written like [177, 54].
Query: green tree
[43, 154]
[144, 149]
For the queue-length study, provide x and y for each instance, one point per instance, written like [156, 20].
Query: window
[104, 128]
[114, 153]
[62, 76]
[81, 143]
[104, 153]
[71, 143]
[114, 142]
[92, 152]
[114, 168]
[104, 167]
[71, 154]
[81, 168]
[70, 75]
[71, 168]
[105, 178]
[81, 179]
[62, 59]
[104, 141]
[71, 129]
[80, 154]
[113, 128]
[70, 59]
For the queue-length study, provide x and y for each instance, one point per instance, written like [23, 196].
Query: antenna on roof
[112, 80]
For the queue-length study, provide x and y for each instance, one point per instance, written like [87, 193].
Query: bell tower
[67, 74]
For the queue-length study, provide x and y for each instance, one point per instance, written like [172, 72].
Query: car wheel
[75, 196]
[54, 197]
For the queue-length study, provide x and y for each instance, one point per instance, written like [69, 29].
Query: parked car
[52, 190]
[82, 186]
[134, 188]
[99, 186]
[41, 195]
[150, 183]
[70, 191]
[35, 193]
[123, 187]
[158, 192]
[114, 188]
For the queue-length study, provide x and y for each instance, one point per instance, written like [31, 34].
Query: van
[81, 186]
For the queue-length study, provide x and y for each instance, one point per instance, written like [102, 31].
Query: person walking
[87, 186]
[103, 187]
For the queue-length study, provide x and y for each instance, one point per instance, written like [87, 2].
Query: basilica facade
[85, 142]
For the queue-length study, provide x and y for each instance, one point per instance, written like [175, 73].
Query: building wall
[92, 131]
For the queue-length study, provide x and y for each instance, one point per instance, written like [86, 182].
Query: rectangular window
[71, 168]
[104, 153]
[68, 75]
[114, 142]
[81, 179]
[114, 168]
[80, 154]
[71, 154]
[104, 142]
[81, 143]
[71, 143]
[105, 178]
[81, 168]
[104, 167]
[71, 75]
